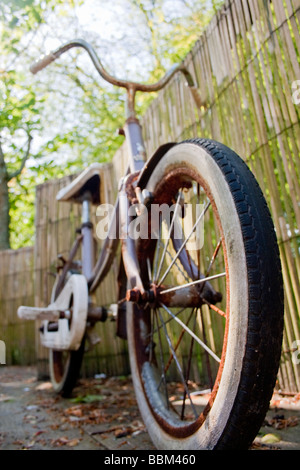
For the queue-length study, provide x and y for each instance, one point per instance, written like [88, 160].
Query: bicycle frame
[137, 159]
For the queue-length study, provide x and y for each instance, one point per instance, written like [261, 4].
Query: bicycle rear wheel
[205, 341]
[64, 369]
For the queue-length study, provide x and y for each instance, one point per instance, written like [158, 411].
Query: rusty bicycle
[198, 249]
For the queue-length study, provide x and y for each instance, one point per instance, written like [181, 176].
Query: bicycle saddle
[87, 182]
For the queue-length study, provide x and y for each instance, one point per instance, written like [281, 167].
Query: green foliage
[161, 33]
[65, 118]
[21, 108]
[87, 399]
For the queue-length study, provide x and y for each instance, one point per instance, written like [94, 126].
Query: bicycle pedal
[36, 313]
[112, 312]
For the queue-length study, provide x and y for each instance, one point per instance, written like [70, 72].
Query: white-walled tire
[238, 231]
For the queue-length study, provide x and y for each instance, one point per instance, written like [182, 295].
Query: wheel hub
[191, 296]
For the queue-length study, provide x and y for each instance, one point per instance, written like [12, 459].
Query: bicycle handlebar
[42, 63]
[46, 60]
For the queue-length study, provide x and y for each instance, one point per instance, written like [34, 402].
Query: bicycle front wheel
[205, 341]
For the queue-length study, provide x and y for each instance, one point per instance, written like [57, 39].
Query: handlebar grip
[42, 63]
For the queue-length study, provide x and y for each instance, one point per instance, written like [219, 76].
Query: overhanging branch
[24, 159]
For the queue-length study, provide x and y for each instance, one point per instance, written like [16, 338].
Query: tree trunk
[4, 210]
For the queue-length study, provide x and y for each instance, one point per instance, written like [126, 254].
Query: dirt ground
[103, 415]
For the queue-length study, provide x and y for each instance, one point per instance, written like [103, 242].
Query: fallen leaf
[44, 386]
[280, 422]
[122, 432]
[29, 445]
[38, 433]
[5, 398]
[74, 411]
[30, 419]
[60, 441]
[73, 442]
[270, 438]
[18, 442]
[97, 413]
[87, 399]
[54, 427]
[30, 380]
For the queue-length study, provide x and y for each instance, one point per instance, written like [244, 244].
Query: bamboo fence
[17, 288]
[245, 65]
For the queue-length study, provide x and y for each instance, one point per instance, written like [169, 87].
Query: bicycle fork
[131, 193]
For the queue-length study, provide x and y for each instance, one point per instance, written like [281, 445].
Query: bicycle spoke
[167, 321]
[208, 367]
[178, 341]
[216, 309]
[151, 344]
[149, 270]
[188, 369]
[213, 258]
[185, 242]
[163, 375]
[198, 281]
[168, 238]
[159, 242]
[203, 345]
[198, 251]
[178, 365]
[182, 272]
